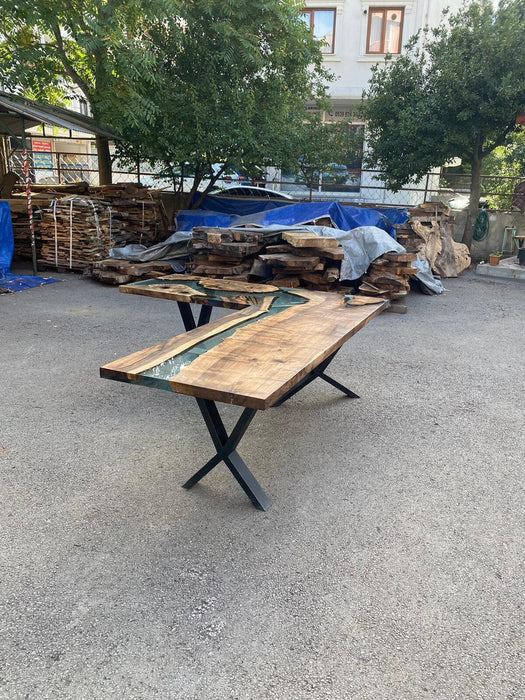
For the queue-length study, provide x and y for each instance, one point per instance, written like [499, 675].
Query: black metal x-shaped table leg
[226, 452]
[189, 320]
[316, 373]
[226, 445]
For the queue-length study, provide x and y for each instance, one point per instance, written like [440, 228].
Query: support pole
[27, 178]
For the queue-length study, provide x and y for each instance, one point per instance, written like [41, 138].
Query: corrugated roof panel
[55, 116]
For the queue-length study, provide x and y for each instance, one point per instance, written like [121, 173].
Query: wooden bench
[276, 343]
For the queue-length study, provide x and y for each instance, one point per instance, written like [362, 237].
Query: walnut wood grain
[260, 361]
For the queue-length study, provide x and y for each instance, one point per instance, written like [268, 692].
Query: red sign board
[42, 146]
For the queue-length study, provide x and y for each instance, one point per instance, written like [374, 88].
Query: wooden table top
[251, 357]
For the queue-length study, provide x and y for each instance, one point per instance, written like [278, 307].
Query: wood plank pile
[21, 229]
[112, 271]
[78, 231]
[429, 232]
[388, 276]
[289, 258]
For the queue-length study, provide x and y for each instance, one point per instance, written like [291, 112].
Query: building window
[322, 26]
[385, 30]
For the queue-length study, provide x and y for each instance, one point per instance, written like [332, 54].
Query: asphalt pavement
[390, 565]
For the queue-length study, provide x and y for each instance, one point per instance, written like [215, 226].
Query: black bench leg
[226, 452]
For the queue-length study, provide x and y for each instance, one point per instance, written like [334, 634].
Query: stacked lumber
[21, 228]
[429, 232]
[388, 276]
[290, 258]
[226, 252]
[112, 271]
[305, 259]
[135, 213]
[77, 231]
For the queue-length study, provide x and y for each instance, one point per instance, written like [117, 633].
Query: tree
[230, 87]
[454, 92]
[505, 163]
[98, 48]
[319, 148]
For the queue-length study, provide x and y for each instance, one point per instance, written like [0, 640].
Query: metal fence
[359, 187]
[60, 168]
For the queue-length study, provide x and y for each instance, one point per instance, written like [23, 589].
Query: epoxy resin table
[257, 357]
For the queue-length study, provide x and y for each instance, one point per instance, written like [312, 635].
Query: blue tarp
[222, 212]
[8, 281]
[7, 243]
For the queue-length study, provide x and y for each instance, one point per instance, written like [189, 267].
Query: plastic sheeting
[8, 281]
[175, 246]
[361, 246]
[426, 278]
[234, 213]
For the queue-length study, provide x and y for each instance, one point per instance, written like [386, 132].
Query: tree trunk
[475, 191]
[104, 161]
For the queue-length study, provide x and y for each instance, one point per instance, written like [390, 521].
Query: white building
[357, 34]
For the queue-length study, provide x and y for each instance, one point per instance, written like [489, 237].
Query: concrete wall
[494, 241]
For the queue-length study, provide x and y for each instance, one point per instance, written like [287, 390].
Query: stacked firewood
[77, 231]
[389, 276]
[290, 258]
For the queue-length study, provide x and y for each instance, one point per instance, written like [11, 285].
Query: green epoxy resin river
[168, 369]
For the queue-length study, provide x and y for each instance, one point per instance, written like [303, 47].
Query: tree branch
[499, 141]
[70, 70]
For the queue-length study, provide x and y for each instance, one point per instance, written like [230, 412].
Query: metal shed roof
[13, 107]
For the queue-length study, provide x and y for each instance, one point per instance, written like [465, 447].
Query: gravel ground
[389, 566]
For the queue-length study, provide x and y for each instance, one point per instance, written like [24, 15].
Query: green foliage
[317, 147]
[99, 47]
[231, 84]
[186, 84]
[504, 162]
[455, 92]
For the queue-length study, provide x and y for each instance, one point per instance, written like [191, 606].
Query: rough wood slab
[332, 253]
[291, 262]
[308, 239]
[401, 257]
[213, 269]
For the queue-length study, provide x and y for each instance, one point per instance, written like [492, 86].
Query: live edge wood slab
[252, 357]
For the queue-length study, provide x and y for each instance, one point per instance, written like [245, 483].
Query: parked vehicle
[250, 191]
